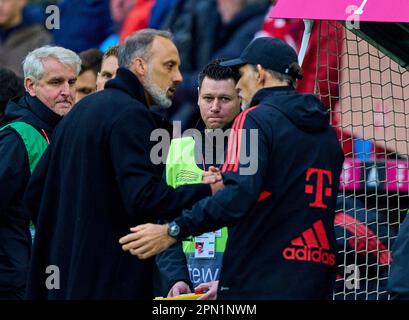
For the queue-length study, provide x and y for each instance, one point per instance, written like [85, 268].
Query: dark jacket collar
[304, 110]
[269, 92]
[42, 111]
[31, 110]
[126, 81]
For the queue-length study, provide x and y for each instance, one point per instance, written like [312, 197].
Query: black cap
[270, 53]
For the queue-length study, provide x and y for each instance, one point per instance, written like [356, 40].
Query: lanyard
[45, 135]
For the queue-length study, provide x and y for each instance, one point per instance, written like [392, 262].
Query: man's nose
[177, 78]
[238, 87]
[65, 89]
[215, 106]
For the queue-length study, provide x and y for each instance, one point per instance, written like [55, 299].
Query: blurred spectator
[193, 32]
[137, 19]
[87, 79]
[159, 12]
[120, 9]
[83, 24]
[11, 87]
[241, 20]
[109, 67]
[226, 29]
[21, 30]
[44, 3]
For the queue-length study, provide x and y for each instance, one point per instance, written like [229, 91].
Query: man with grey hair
[109, 183]
[158, 78]
[25, 131]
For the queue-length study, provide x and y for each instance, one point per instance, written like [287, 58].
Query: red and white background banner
[375, 176]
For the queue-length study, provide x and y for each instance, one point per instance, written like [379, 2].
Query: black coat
[98, 181]
[280, 205]
[15, 238]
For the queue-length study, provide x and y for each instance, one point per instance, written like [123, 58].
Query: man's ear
[30, 86]
[139, 67]
[261, 75]
[198, 95]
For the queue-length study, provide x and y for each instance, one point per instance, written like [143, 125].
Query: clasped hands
[147, 240]
[213, 177]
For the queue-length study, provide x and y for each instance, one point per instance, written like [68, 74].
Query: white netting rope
[369, 106]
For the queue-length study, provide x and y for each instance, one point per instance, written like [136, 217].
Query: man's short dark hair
[215, 71]
[91, 59]
[11, 87]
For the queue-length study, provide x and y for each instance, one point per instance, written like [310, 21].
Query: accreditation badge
[218, 233]
[205, 246]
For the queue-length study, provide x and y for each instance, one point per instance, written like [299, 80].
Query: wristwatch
[173, 229]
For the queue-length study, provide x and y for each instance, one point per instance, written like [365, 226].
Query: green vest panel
[181, 169]
[35, 145]
[34, 142]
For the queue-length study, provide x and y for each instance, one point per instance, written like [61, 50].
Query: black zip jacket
[15, 238]
[281, 178]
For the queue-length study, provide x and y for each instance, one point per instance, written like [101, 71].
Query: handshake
[213, 177]
[148, 239]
